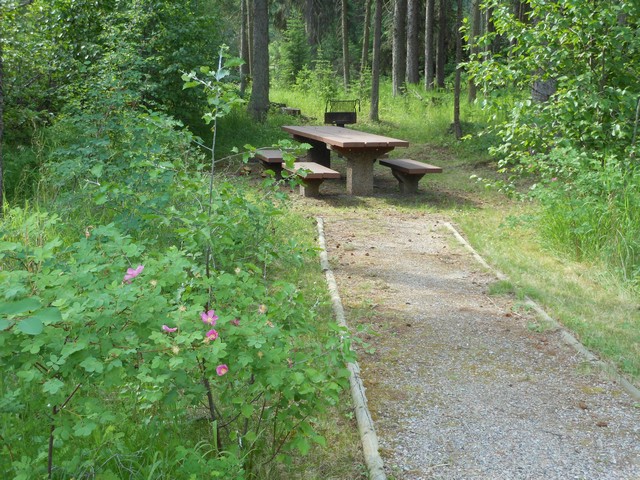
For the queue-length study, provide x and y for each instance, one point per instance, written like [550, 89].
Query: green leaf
[91, 364]
[52, 386]
[30, 326]
[48, 315]
[21, 306]
[247, 410]
[27, 375]
[8, 246]
[97, 170]
[4, 324]
[302, 445]
[84, 429]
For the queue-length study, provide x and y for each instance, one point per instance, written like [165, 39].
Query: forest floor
[462, 382]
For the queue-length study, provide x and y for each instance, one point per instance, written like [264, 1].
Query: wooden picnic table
[360, 150]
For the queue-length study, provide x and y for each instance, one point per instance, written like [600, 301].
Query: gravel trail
[463, 384]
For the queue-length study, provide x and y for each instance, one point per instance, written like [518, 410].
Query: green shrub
[147, 335]
[89, 349]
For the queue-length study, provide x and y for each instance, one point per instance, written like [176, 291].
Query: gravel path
[463, 384]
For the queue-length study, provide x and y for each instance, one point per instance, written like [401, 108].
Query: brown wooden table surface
[344, 137]
[360, 150]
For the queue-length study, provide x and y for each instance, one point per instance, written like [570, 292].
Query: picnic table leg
[318, 152]
[359, 177]
[360, 168]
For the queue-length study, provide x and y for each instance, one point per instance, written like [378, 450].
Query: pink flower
[132, 273]
[211, 336]
[221, 370]
[168, 329]
[236, 321]
[210, 317]
[554, 179]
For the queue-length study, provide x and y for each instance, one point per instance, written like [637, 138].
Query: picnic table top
[344, 137]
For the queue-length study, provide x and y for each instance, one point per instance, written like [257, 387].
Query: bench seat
[271, 159]
[409, 172]
[316, 174]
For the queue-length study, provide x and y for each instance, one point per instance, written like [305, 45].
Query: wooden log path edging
[367, 431]
[607, 368]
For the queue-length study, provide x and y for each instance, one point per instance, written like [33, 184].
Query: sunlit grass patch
[594, 304]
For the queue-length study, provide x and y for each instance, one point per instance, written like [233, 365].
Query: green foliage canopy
[589, 51]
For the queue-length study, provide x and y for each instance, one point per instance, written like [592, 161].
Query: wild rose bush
[125, 355]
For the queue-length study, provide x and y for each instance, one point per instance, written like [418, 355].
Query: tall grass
[594, 215]
[586, 297]
[416, 115]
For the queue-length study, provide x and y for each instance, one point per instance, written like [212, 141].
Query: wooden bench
[409, 172]
[271, 160]
[316, 174]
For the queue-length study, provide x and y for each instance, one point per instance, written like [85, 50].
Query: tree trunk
[364, 60]
[250, 34]
[441, 59]
[399, 60]
[314, 18]
[375, 66]
[259, 103]
[542, 90]
[489, 27]
[1, 130]
[542, 87]
[413, 57]
[429, 52]
[474, 34]
[345, 45]
[457, 127]
[244, 46]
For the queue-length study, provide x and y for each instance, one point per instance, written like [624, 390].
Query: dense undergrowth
[156, 321]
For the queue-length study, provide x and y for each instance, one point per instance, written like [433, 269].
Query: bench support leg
[408, 183]
[311, 188]
[276, 168]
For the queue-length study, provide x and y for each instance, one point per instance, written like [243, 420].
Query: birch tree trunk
[375, 65]
[457, 127]
[399, 60]
[250, 34]
[474, 34]
[244, 46]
